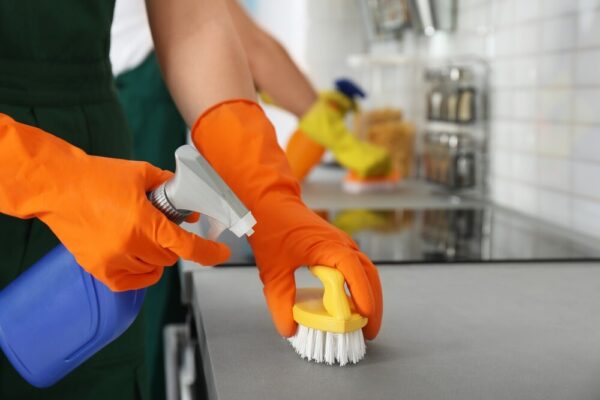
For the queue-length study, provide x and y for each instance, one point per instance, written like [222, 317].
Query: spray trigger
[197, 187]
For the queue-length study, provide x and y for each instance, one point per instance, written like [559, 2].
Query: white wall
[319, 34]
[286, 21]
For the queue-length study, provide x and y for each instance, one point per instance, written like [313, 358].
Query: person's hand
[97, 207]
[323, 127]
[324, 123]
[239, 142]
[291, 236]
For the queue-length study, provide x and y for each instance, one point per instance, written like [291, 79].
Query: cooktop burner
[486, 234]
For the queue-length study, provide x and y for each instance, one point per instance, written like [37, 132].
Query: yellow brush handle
[335, 300]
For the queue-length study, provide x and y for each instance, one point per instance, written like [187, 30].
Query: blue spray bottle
[55, 315]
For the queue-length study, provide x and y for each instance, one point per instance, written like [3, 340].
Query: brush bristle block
[329, 328]
[329, 347]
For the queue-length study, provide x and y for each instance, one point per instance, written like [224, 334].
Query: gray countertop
[499, 331]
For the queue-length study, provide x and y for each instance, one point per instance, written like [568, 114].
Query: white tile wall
[585, 179]
[555, 69]
[555, 105]
[588, 30]
[586, 143]
[586, 216]
[555, 173]
[502, 103]
[527, 75]
[586, 68]
[552, 8]
[524, 103]
[526, 38]
[556, 207]
[501, 135]
[524, 136]
[334, 31]
[558, 33]
[545, 108]
[554, 139]
[527, 10]
[524, 167]
[586, 105]
[525, 198]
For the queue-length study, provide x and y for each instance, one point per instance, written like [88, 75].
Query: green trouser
[55, 74]
[158, 130]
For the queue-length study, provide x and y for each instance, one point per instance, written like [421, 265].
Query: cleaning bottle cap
[197, 187]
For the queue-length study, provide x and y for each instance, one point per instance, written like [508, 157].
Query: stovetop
[475, 234]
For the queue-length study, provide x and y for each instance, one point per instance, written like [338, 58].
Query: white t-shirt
[131, 40]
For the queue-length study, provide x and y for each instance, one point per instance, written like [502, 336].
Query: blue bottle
[55, 315]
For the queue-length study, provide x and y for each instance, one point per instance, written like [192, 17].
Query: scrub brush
[329, 328]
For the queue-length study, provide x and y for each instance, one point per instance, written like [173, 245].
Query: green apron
[158, 130]
[55, 74]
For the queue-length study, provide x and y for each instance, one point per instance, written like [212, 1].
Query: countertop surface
[497, 331]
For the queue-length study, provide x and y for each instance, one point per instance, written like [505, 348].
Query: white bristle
[318, 347]
[299, 341]
[328, 347]
[310, 342]
[342, 349]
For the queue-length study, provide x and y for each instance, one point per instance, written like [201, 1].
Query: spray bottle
[55, 315]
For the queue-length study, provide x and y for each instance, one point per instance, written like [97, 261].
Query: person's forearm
[272, 68]
[275, 73]
[200, 54]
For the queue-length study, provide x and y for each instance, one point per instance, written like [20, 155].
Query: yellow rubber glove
[96, 206]
[324, 123]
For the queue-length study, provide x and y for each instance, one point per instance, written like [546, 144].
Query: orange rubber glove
[239, 142]
[96, 206]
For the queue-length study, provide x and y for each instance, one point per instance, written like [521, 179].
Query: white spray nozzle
[197, 187]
